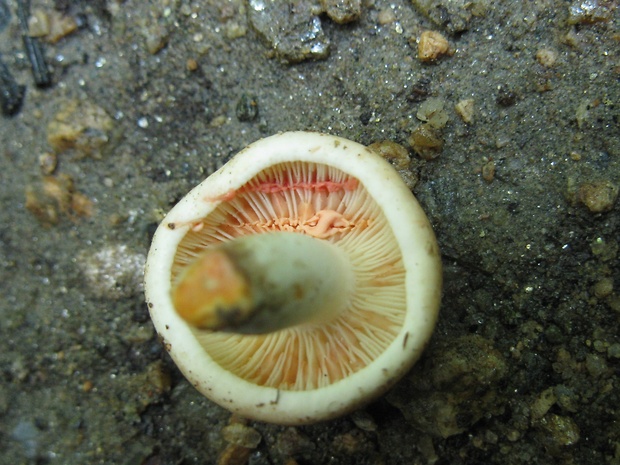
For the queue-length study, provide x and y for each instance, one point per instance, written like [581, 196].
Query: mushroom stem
[262, 283]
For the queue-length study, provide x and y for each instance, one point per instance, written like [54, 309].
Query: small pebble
[614, 351]
[50, 25]
[393, 152]
[398, 156]
[453, 16]
[247, 108]
[60, 26]
[234, 455]
[342, 11]
[292, 34]
[48, 162]
[604, 288]
[38, 23]
[546, 57]
[432, 112]
[488, 171]
[235, 30]
[465, 109]
[80, 125]
[590, 11]
[595, 365]
[426, 142]
[420, 90]
[241, 435]
[191, 65]
[505, 97]
[348, 443]
[292, 442]
[598, 196]
[364, 421]
[543, 403]
[560, 430]
[156, 37]
[53, 196]
[386, 16]
[431, 46]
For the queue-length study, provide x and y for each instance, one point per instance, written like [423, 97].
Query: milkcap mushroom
[297, 282]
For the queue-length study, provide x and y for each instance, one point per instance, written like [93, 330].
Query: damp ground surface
[520, 182]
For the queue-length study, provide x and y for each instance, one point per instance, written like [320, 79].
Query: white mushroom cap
[403, 268]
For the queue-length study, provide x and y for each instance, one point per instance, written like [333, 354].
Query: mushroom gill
[329, 205]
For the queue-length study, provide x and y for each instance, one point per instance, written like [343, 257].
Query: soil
[149, 97]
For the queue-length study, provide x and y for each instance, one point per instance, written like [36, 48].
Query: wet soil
[524, 365]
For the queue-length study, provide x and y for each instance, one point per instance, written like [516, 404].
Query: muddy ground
[149, 97]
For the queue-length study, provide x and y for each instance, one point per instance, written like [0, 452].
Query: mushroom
[296, 283]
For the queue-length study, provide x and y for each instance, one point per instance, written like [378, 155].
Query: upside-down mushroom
[296, 283]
